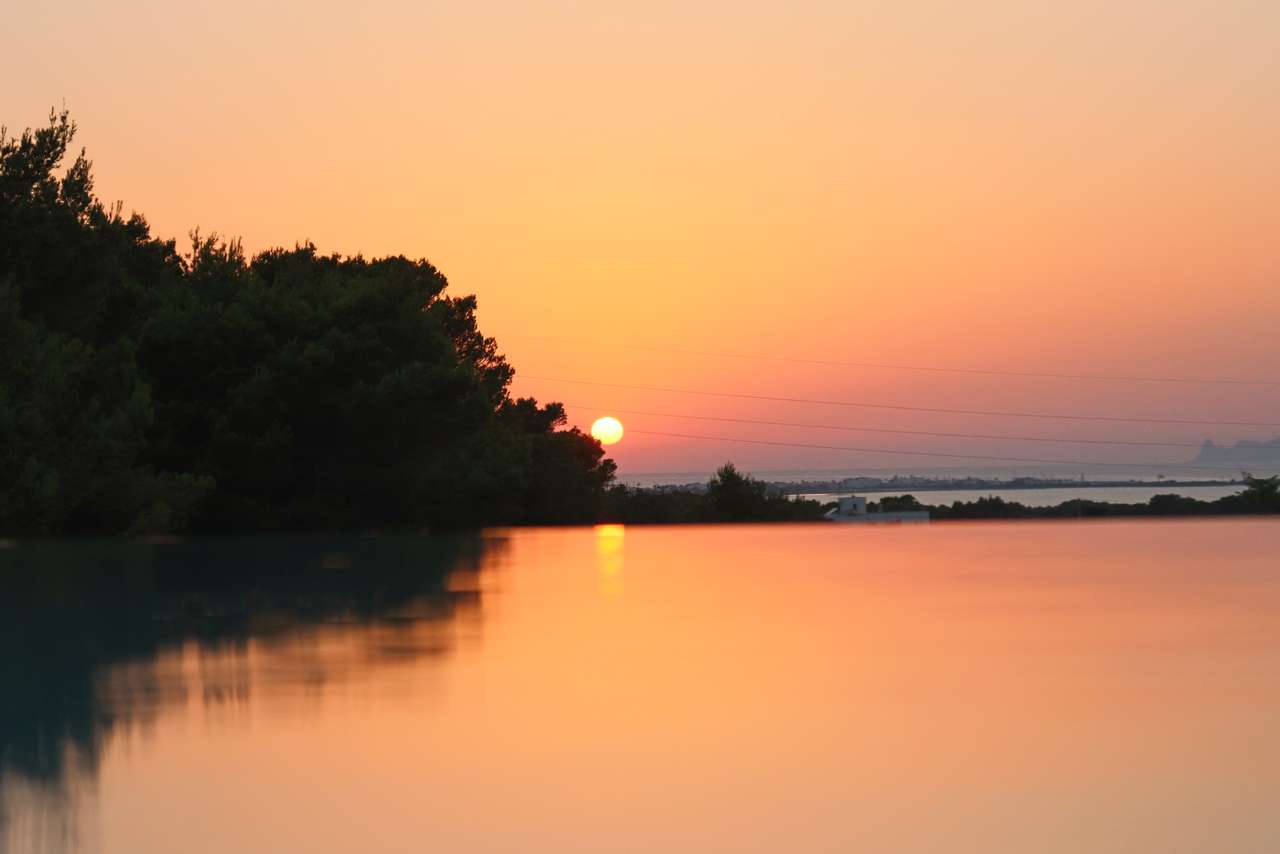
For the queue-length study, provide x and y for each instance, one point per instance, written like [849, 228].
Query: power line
[904, 408]
[1056, 440]
[925, 368]
[1080, 463]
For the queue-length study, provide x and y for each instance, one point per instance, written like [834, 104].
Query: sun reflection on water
[610, 544]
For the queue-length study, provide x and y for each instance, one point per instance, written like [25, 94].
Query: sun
[607, 430]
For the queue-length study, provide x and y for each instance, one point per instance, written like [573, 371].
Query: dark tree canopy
[143, 388]
[730, 496]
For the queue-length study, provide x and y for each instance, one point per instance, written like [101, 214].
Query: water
[1102, 687]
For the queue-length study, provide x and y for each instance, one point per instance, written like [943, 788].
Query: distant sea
[1134, 493]
[1048, 497]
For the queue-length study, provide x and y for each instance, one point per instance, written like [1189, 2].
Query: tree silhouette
[1262, 492]
[148, 389]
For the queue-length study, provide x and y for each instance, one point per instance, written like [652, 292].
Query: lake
[997, 687]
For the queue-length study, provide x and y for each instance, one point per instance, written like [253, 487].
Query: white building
[853, 508]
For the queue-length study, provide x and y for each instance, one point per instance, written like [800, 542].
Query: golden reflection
[610, 542]
[1047, 688]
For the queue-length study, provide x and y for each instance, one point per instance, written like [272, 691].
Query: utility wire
[1080, 463]
[1057, 440]
[926, 368]
[903, 408]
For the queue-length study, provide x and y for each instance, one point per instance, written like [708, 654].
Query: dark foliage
[730, 496]
[897, 504]
[145, 389]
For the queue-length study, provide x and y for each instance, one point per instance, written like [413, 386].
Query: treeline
[1261, 495]
[146, 389]
[730, 496]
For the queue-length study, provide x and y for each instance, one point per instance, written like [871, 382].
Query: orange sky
[1077, 188]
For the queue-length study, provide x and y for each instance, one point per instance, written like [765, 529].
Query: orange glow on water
[1056, 688]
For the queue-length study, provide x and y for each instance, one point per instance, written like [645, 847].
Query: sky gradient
[1082, 188]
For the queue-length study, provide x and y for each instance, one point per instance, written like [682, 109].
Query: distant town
[909, 483]
[1246, 453]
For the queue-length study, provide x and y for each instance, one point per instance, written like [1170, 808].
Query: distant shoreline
[954, 485]
[900, 484]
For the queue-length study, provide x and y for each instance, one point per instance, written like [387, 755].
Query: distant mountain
[1240, 452]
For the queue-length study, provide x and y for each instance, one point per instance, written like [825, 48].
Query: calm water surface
[1100, 687]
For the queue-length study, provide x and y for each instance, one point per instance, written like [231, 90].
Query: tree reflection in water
[97, 639]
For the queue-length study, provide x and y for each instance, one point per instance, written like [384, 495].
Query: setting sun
[607, 430]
